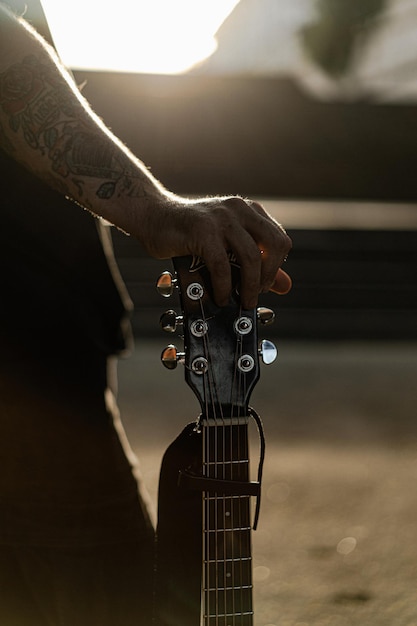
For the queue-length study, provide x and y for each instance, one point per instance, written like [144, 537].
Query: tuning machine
[268, 351]
[170, 320]
[265, 315]
[170, 357]
[166, 284]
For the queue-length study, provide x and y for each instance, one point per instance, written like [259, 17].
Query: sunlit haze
[151, 36]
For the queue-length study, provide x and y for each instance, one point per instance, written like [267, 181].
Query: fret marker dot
[227, 513]
[228, 575]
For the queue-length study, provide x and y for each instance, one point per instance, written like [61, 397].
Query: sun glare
[150, 36]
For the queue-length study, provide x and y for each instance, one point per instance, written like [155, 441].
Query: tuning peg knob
[170, 357]
[268, 351]
[165, 284]
[265, 316]
[170, 320]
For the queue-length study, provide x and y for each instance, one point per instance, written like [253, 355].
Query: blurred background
[311, 107]
[308, 105]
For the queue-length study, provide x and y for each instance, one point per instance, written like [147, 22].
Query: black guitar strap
[196, 482]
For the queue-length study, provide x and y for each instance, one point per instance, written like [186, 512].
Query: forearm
[48, 126]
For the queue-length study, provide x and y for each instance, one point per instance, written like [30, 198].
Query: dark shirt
[64, 478]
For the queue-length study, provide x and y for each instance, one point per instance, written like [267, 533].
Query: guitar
[204, 561]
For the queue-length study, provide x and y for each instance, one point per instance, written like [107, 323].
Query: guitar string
[233, 540]
[243, 511]
[206, 501]
[236, 389]
[210, 388]
[226, 435]
[233, 537]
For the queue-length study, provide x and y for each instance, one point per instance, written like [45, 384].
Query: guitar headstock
[221, 354]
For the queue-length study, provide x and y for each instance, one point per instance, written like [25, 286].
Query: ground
[337, 537]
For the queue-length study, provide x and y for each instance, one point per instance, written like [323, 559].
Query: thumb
[282, 283]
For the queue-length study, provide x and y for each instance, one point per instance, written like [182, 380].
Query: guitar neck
[227, 561]
[221, 367]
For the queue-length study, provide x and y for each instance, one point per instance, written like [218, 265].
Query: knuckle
[282, 241]
[253, 257]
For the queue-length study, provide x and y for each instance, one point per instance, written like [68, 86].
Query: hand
[210, 228]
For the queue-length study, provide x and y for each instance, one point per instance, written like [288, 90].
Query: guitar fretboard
[227, 561]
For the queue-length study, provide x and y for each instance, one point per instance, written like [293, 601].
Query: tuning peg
[170, 320]
[268, 351]
[165, 284]
[170, 357]
[265, 316]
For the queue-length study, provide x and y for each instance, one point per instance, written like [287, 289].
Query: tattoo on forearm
[36, 103]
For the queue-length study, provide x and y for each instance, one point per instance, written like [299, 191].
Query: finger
[260, 209]
[282, 283]
[273, 242]
[274, 254]
[273, 257]
[249, 258]
[218, 265]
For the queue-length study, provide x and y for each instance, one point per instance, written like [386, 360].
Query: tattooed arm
[47, 125]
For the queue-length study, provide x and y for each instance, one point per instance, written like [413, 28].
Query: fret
[236, 619]
[243, 613]
[234, 588]
[227, 530]
[222, 498]
[237, 560]
[232, 602]
[234, 462]
[221, 456]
